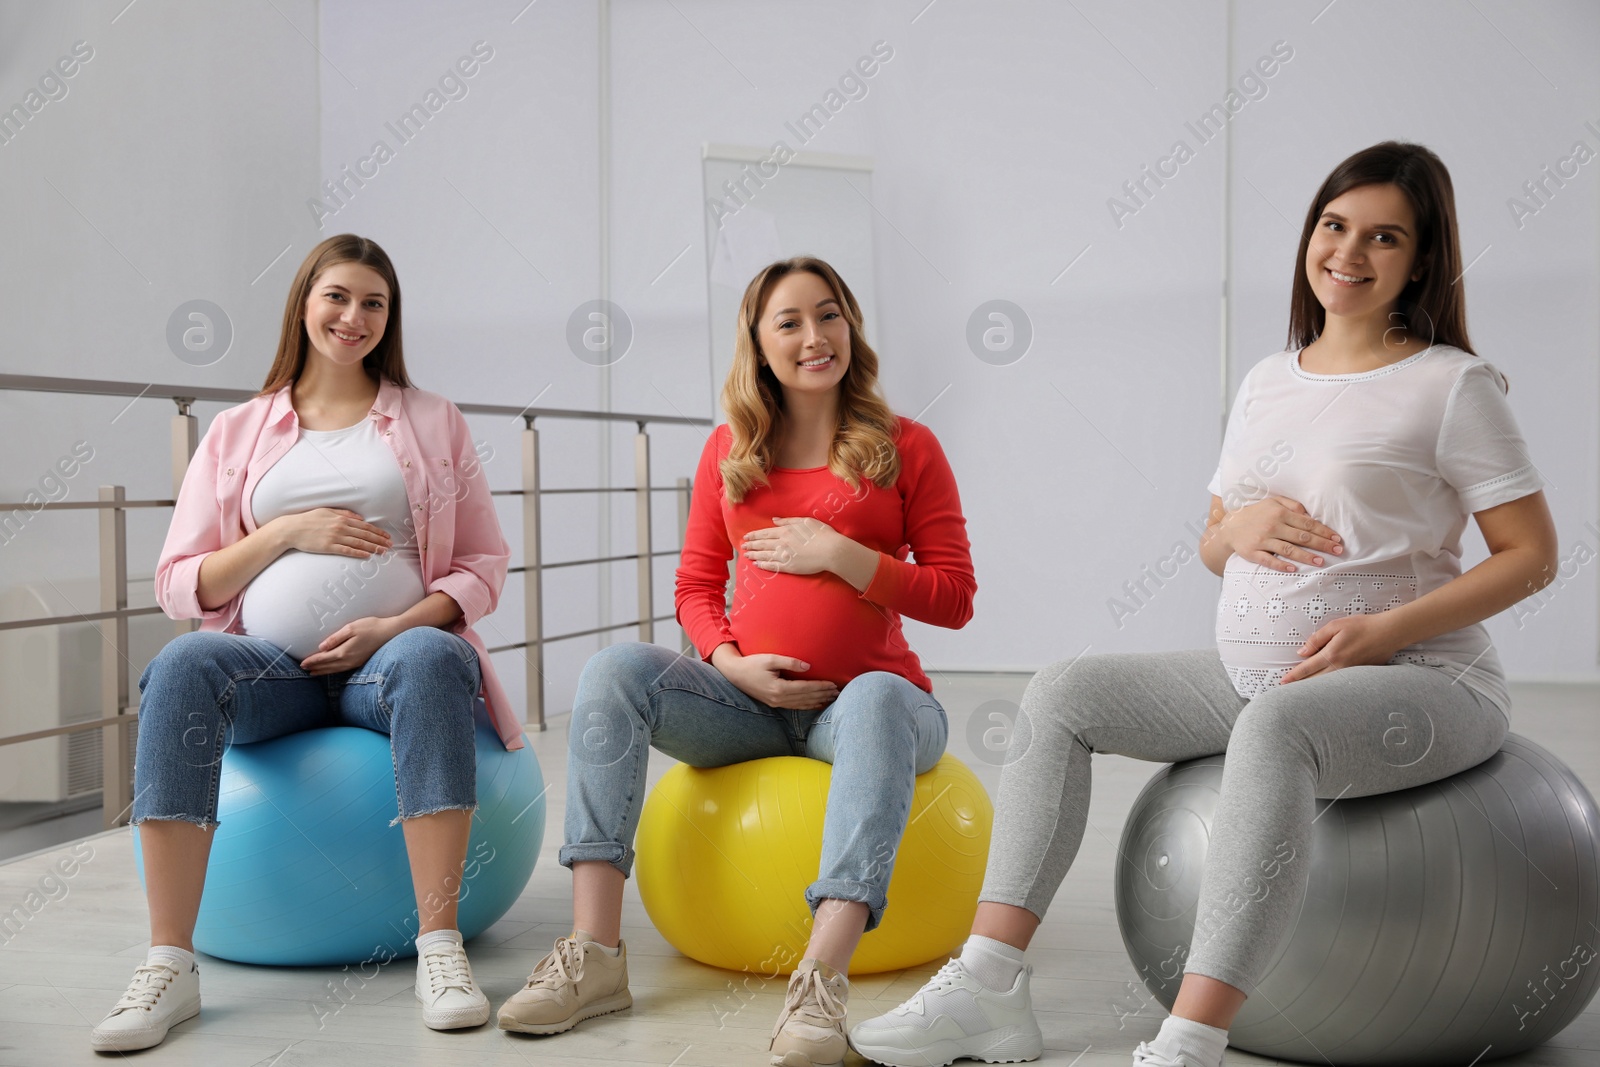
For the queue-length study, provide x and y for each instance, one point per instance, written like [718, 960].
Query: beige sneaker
[576, 980]
[810, 1030]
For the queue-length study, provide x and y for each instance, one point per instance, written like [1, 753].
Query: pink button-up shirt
[458, 535]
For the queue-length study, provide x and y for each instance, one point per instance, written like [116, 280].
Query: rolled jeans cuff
[205, 822]
[846, 889]
[619, 856]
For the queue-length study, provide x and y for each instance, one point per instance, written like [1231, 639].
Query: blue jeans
[879, 734]
[206, 691]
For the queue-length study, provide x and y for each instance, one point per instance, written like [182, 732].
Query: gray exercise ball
[1442, 924]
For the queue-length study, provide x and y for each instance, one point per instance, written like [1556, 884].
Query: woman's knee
[630, 665]
[1069, 695]
[610, 711]
[195, 650]
[880, 700]
[427, 649]
[1273, 722]
[196, 661]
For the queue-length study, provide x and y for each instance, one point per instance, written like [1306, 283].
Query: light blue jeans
[879, 734]
[206, 691]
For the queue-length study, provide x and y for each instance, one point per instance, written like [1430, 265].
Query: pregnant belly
[816, 618]
[302, 597]
[1264, 616]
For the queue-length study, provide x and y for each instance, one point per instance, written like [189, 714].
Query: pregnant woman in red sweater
[824, 492]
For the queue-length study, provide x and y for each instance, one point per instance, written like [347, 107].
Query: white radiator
[50, 676]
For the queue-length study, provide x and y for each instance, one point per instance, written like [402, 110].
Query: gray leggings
[1352, 732]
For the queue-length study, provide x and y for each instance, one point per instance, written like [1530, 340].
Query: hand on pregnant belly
[758, 676]
[792, 546]
[349, 647]
[1353, 641]
[330, 599]
[1274, 531]
[333, 531]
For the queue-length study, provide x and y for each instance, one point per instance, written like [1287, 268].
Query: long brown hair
[386, 360]
[863, 443]
[1433, 306]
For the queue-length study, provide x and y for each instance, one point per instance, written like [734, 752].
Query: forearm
[1487, 589]
[854, 562]
[438, 610]
[1214, 552]
[227, 571]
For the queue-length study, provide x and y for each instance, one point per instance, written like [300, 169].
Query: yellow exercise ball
[724, 856]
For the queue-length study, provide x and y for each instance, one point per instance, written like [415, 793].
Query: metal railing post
[685, 495]
[116, 788]
[532, 574]
[185, 439]
[641, 479]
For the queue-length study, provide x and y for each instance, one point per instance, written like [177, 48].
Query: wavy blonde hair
[864, 441]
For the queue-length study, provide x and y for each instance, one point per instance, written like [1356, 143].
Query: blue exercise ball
[307, 870]
[1442, 924]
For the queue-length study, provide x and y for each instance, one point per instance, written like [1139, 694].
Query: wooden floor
[66, 967]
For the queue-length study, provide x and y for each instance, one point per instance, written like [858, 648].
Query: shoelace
[1145, 1056]
[564, 963]
[149, 981]
[946, 976]
[447, 968]
[943, 978]
[797, 1003]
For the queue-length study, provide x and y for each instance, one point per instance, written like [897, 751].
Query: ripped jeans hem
[409, 815]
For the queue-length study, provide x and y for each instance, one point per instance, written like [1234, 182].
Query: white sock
[994, 963]
[435, 937]
[170, 952]
[584, 937]
[1196, 1043]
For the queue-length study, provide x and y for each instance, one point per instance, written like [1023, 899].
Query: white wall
[170, 170]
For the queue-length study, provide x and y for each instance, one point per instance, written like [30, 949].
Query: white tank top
[302, 597]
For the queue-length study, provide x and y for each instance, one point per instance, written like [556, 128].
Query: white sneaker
[162, 994]
[450, 998]
[953, 1017]
[1145, 1056]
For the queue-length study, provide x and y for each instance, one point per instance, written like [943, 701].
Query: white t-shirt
[1393, 460]
[302, 597]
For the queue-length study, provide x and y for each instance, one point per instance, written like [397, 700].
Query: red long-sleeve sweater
[820, 618]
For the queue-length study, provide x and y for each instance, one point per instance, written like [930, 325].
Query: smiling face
[803, 334]
[1362, 253]
[346, 312]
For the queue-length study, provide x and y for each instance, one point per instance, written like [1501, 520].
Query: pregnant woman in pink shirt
[336, 539]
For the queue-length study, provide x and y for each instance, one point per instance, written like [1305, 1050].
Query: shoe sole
[134, 1040]
[458, 1019]
[616, 1002]
[795, 1058]
[1011, 1045]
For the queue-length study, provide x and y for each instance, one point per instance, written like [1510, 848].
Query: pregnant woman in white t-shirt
[1349, 468]
[296, 538]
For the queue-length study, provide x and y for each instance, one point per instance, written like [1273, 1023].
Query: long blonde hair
[863, 442]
